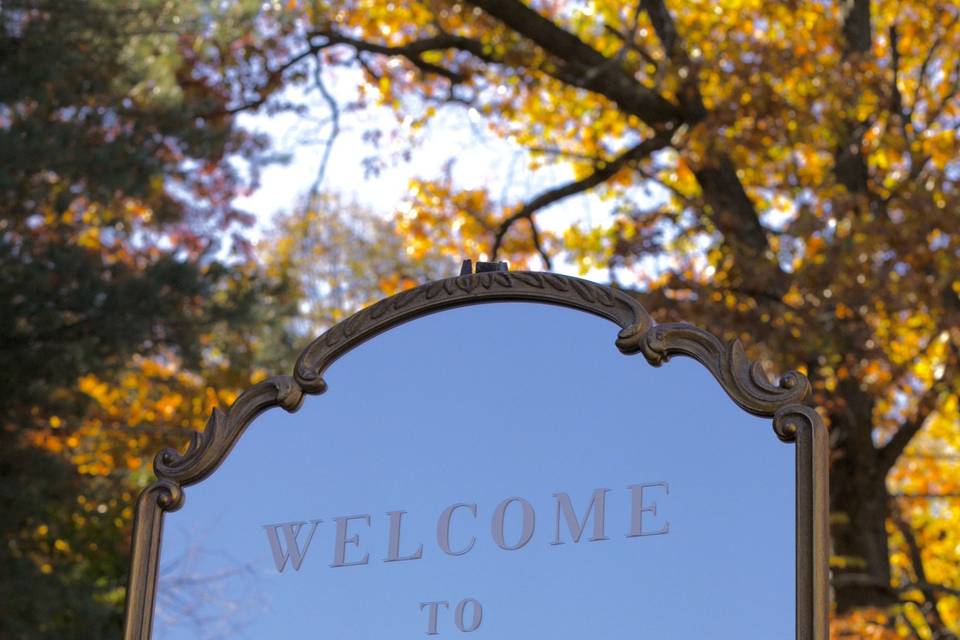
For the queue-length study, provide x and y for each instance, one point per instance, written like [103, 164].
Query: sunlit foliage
[338, 257]
[783, 172]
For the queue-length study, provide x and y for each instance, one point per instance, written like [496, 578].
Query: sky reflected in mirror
[451, 482]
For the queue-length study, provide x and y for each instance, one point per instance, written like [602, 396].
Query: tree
[800, 160]
[126, 306]
[340, 257]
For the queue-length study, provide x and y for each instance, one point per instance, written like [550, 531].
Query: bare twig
[906, 620]
[892, 450]
[274, 76]
[334, 132]
[930, 606]
[535, 233]
[631, 43]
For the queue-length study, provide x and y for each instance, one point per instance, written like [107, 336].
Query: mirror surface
[474, 407]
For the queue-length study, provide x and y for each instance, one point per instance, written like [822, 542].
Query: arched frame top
[744, 382]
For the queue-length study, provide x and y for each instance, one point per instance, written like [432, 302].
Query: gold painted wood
[743, 381]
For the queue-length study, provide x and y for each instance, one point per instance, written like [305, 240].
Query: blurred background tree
[783, 173]
[126, 301]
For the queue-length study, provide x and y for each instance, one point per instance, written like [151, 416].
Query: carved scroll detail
[792, 419]
[209, 447]
[803, 426]
[174, 470]
[744, 381]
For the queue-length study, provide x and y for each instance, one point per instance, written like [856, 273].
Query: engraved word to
[290, 541]
[475, 619]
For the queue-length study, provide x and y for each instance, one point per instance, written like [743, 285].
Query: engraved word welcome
[290, 541]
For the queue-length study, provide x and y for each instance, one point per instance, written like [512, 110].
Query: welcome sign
[440, 467]
[293, 548]
[290, 541]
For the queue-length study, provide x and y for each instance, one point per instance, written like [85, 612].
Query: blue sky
[477, 405]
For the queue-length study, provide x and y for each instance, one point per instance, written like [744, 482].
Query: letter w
[564, 506]
[291, 531]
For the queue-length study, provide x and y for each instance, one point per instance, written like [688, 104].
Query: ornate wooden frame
[744, 382]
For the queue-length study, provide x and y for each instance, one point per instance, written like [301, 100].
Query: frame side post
[161, 496]
[813, 572]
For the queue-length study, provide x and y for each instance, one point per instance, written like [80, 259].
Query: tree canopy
[119, 315]
[783, 173]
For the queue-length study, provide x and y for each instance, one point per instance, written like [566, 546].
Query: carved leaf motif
[403, 299]
[520, 285]
[529, 279]
[556, 283]
[466, 283]
[584, 292]
[378, 310]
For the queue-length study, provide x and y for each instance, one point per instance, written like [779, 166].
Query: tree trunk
[859, 506]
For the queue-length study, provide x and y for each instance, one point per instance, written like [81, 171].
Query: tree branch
[902, 615]
[895, 446]
[916, 559]
[865, 580]
[950, 94]
[603, 173]
[578, 64]
[558, 152]
[732, 211]
[582, 65]
[691, 102]
[912, 548]
[413, 51]
[896, 98]
[630, 43]
[274, 76]
[925, 407]
[734, 215]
